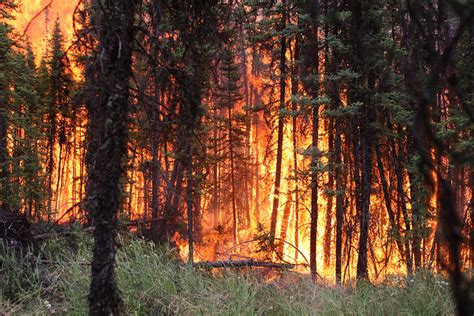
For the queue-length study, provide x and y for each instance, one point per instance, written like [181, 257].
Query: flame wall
[62, 9]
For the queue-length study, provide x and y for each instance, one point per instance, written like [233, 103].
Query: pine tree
[229, 94]
[7, 9]
[59, 110]
[26, 131]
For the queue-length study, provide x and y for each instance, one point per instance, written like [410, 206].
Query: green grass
[154, 283]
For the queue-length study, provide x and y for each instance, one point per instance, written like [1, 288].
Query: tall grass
[154, 283]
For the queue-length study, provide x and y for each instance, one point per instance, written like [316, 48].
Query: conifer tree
[229, 94]
[7, 9]
[59, 110]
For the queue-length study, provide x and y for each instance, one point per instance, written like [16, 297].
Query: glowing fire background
[213, 242]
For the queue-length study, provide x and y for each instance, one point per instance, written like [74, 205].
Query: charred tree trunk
[248, 122]
[232, 177]
[189, 205]
[215, 187]
[51, 143]
[329, 195]
[339, 198]
[256, 122]
[402, 203]
[294, 108]
[311, 85]
[387, 198]
[359, 92]
[330, 131]
[4, 173]
[108, 108]
[281, 123]
[284, 225]
[471, 233]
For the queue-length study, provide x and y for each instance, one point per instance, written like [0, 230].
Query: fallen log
[137, 222]
[243, 264]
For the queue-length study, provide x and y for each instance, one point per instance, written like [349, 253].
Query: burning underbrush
[155, 280]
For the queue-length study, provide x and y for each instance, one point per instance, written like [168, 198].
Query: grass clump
[153, 282]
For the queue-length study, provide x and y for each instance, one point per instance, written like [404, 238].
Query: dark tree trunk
[248, 122]
[311, 85]
[108, 109]
[339, 199]
[361, 25]
[256, 122]
[402, 204]
[281, 123]
[51, 143]
[330, 131]
[189, 204]
[471, 234]
[232, 176]
[294, 108]
[4, 172]
[416, 203]
[330, 197]
[284, 225]
[387, 198]
[215, 187]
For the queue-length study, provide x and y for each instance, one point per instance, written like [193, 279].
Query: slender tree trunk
[329, 205]
[311, 84]
[50, 169]
[60, 174]
[294, 108]
[248, 122]
[329, 65]
[189, 204]
[387, 198]
[281, 123]
[284, 225]
[256, 123]
[215, 189]
[232, 177]
[471, 234]
[366, 169]
[416, 202]
[339, 198]
[4, 174]
[402, 203]
[154, 181]
[108, 109]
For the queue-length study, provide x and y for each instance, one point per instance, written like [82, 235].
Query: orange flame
[59, 9]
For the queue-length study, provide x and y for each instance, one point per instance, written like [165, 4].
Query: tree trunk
[311, 85]
[387, 198]
[4, 173]
[232, 178]
[339, 198]
[402, 203]
[248, 122]
[329, 206]
[284, 225]
[294, 108]
[281, 123]
[108, 109]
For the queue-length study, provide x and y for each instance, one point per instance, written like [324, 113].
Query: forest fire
[61, 10]
[276, 135]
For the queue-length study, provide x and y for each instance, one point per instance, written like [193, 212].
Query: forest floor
[153, 282]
